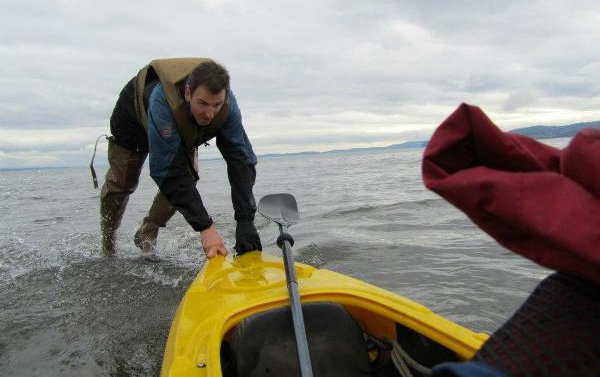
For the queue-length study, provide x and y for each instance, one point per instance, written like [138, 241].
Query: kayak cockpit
[263, 344]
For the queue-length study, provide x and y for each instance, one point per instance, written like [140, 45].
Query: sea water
[67, 311]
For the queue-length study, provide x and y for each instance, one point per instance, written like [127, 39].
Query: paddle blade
[280, 208]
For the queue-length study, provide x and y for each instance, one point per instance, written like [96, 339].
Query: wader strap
[92, 162]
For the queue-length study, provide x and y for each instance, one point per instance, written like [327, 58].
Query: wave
[381, 208]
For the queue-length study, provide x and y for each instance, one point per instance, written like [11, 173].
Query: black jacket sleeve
[235, 147]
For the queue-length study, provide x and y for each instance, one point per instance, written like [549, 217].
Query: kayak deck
[227, 290]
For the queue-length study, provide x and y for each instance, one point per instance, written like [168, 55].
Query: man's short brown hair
[211, 75]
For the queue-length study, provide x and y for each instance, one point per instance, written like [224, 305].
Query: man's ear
[187, 93]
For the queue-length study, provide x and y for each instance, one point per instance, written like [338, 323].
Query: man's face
[203, 104]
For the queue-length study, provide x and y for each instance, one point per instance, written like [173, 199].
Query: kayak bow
[229, 290]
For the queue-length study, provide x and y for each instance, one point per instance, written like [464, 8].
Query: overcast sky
[308, 75]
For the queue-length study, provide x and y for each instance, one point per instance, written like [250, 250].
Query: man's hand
[246, 237]
[212, 243]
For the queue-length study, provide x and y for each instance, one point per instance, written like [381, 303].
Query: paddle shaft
[297, 317]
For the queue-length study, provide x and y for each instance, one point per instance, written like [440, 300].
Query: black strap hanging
[92, 162]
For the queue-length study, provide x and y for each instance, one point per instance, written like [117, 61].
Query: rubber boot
[145, 237]
[112, 208]
[160, 212]
[120, 181]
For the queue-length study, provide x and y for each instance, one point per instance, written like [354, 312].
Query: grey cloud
[403, 64]
[519, 99]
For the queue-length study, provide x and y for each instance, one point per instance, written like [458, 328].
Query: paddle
[282, 209]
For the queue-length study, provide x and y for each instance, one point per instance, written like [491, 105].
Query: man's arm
[236, 149]
[170, 170]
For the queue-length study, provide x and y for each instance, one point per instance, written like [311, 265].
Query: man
[167, 110]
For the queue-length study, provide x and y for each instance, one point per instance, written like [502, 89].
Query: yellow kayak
[236, 298]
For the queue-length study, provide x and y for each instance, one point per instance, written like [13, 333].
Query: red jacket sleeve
[538, 201]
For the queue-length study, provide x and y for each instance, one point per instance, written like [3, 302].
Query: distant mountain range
[553, 132]
[406, 145]
[536, 132]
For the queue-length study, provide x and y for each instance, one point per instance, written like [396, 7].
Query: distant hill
[406, 145]
[552, 132]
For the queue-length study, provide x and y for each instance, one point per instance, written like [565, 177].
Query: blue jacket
[170, 169]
